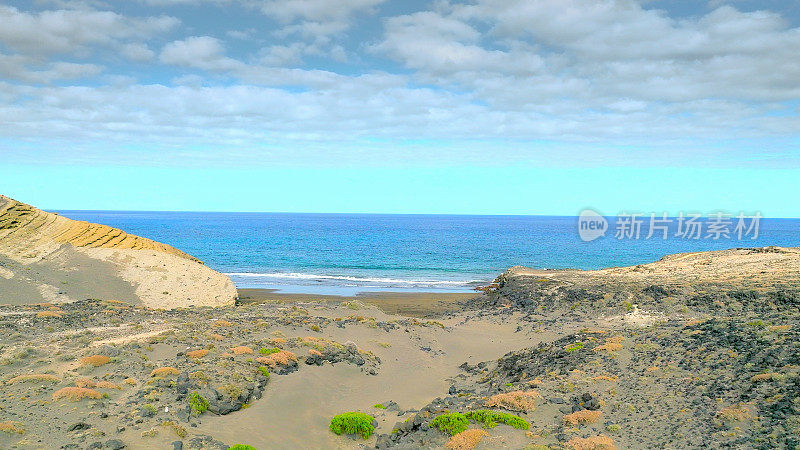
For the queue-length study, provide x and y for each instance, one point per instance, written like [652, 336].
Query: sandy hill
[47, 257]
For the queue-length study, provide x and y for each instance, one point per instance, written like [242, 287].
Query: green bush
[264, 370]
[451, 424]
[574, 347]
[379, 406]
[241, 447]
[490, 419]
[198, 404]
[268, 351]
[353, 423]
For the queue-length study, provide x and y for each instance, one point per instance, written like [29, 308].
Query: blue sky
[482, 107]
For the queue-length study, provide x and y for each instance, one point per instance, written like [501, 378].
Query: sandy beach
[411, 304]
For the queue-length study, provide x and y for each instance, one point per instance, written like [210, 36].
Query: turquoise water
[349, 253]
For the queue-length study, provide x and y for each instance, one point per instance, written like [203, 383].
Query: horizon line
[644, 217]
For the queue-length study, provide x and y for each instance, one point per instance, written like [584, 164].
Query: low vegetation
[451, 423]
[281, 358]
[198, 404]
[600, 442]
[582, 417]
[197, 354]
[34, 378]
[353, 423]
[95, 360]
[12, 427]
[75, 394]
[515, 401]
[490, 419]
[466, 440]
[164, 372]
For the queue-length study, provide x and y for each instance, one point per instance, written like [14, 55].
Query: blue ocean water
[348, 253]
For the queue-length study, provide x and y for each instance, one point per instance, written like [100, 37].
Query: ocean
[343, 254]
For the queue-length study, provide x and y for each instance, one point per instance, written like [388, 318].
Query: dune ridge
[47, 257]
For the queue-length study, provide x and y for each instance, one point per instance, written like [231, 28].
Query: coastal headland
[695, 350]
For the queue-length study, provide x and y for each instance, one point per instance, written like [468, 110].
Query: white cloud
[70, 31]
[137, 52]
[568, 70]
[313, 10]
[35, 70]
[595, 53]
[202, 52]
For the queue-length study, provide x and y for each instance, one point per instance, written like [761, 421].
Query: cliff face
[47, 257]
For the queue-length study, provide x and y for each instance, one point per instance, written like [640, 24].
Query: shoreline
[412, 304]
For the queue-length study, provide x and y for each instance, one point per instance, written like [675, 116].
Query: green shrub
[574, 347]
[452, 423]
[490, 419]
[198, 404]
[241, 447]
[268, 351]
[353, 423]
[264, 371]
[379, 406]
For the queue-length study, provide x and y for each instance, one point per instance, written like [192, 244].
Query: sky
[389, 106]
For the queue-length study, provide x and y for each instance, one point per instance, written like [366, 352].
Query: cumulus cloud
[577, 71]
[137, 52]
[202, 52]
[70, 31]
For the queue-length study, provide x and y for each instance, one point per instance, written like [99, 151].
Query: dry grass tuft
[466, 440]
[216, 337]
[604, 378]
[222, 323]
[584, 416]
[313, 352]
[95, 360]
[780, 328]
[600, 442]
[12, 427]
[609, 347]
[85, 383]
[242, 350]
[197, 354]
[515, 401]
[107, 385]
[76, 394]
[130, 381]
[164, 372]
[735, 413]
[55, 314]
[763, 377]
[612, 344]
[281, 358]
[34, 378]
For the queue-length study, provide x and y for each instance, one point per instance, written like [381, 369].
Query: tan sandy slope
[754, 268]
[47, 257]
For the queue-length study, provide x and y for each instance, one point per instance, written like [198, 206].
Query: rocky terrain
[694, 351]
[697, 350]
[47, 257]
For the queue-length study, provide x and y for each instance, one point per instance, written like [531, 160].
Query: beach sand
[411, 304]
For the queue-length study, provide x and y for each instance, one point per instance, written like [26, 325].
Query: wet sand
[411, 304]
